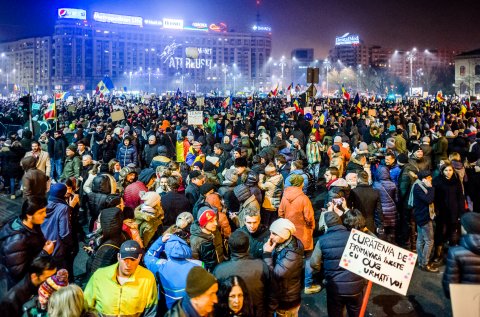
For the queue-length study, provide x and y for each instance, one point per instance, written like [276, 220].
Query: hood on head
[162, 150]
[111, 221]
[177, 248]
[28, 162]
[383, 174]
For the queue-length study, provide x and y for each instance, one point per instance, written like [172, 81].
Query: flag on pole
[442, 119]
[345, 93]
[324, 117]
[51, 111]
[463, 109]
[227, 102]
[275, 91]
[440, 97]
[104, 86]
[357, 103]
[62, 95]
[297, 107]
[289, 90]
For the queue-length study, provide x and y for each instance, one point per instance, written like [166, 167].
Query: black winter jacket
[173, 204]
[285, 264]
[19, 246]
[326, 257]
[207, 248]
[449, 198]
[463, 263]
[367, 200]
[257, 240]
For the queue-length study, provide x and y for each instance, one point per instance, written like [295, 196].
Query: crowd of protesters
[225, 218]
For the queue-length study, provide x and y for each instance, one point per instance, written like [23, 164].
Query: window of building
[477, 70]
[477, 89]
[462, 70]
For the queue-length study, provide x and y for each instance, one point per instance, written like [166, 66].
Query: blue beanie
[57, 190]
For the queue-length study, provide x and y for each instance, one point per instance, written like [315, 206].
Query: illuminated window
[462, 70]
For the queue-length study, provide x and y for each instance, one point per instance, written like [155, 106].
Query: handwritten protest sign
[465, 300]
[379, 261]
[117, 115]
[289, 109]
[195, 117]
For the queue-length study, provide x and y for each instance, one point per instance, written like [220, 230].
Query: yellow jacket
[138, 295]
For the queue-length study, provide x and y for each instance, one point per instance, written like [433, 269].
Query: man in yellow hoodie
[124, 288]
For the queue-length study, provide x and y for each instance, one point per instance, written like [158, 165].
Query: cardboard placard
[372, 112]
[307, 110]
[465, 300]
[195, 117]
[378, 261]
[289, 109]
[117, 115]
[136, 109]
[200, 101]
[71, 108]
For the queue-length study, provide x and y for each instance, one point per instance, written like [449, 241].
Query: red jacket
[131, 195]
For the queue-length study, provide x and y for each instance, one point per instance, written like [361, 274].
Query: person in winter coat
[11, 170]
[226, 191]
[254, 272]
[192, 192]
[314, 156]
[214, 200]
[149, 216]
[297, 207]
[34, 181]
[440, 148]
[389, 198]
[97, 198]
[132, 192]
[252, 184]
[161, 158]
[337, 160]
[367, 200]
[296, 168]
[449, 207]
[112, 236]
[57, 225]
[356, 164]
[247, 202]
[22, 240]
[257, 232]
[422, 197]
[42, 158]
[72, 165]
[127, 153]
[172, 272]
[272, 183]
[283, 254]
[344, 288]
[56, 149]
[462, 260]
[337, 187]
[173, 202]
[206, 240]
[150, 150]
[108, 148]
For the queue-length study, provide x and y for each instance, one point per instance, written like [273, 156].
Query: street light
[327, 65]
[411, 57]
[224, 70]
[282, 64]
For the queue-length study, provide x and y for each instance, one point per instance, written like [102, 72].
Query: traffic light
[27, 104]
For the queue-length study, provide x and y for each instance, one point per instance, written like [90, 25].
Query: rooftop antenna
[258, 12]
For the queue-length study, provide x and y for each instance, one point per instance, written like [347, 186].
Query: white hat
[283, 228]
[337, 139]
[151, 199]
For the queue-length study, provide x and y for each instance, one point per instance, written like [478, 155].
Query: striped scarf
[313, 152]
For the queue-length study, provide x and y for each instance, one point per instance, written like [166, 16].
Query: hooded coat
[297, 207]
[34, 181]
[388, 196]
[148, 221]
[172, 272]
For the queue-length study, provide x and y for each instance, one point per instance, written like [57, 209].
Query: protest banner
[465, 300]
[200, 101]
[195, 117]
[117, 115]
[289, 109]
[378, 261]
[307, 110]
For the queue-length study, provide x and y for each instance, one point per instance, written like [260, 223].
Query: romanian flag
[227, 102]
[289, 89]
[62, 95]
[467, 103]
[345, 93]
[51, 111]
[324, 117]
[297, 106]
[275, 91]
[440, 97]
[357, 103]
[463, 110]
[104, 86]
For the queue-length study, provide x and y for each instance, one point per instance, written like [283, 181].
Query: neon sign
[197, 26]
[220, 27]
[175, 24]
[118, 19]
[262, 28]
[347, 39]
[153, 22]
[65, 13]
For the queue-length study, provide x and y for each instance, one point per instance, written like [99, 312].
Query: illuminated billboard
[153, 22]
[194, 58]
[175, 24]
[218, 27]
[67, 13]
[347, 39]
[262, 28]
[197, 26]
[117, 19]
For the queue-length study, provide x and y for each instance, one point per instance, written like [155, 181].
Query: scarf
[431, 207]
[313, 152]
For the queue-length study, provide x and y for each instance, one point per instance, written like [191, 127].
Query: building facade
[467, 73]
[152, 55]
[302, 58]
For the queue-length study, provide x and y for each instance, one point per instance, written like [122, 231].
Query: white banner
[289, 109]
[195, 117]
[378, 261]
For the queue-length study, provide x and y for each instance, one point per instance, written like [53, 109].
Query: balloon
[308, 116]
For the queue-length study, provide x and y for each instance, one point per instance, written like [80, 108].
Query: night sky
[398, 24]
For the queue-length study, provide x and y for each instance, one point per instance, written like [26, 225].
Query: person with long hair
[68, 301]
[233, 298]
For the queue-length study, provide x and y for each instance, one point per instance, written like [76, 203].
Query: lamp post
[327, 65]
[149, 74]
[282, 65]
[224, 70]
[411, 57]
[130, 83]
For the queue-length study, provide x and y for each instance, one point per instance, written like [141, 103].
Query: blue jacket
[127, 155]
[173, 271]
[326, 257]
[421, 202]
[57, 226]
[301, 173]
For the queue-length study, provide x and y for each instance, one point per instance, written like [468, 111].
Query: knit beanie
[283, 228]
[51, 285]
[335, 148]
[72, 148]
[199, 281]
[57, 190]
[402, 159]
[242, 192]
[184, 219]
[337, 139]
[208, 167]
[198, 164]
[151, 199]
[241, 162]
[230, 177]
[205, 188]
[239, 242]
[205, 215]
[415, 148]
[296, 180]
[390, 143]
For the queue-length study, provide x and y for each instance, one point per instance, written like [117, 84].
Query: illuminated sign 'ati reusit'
[117, 19]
